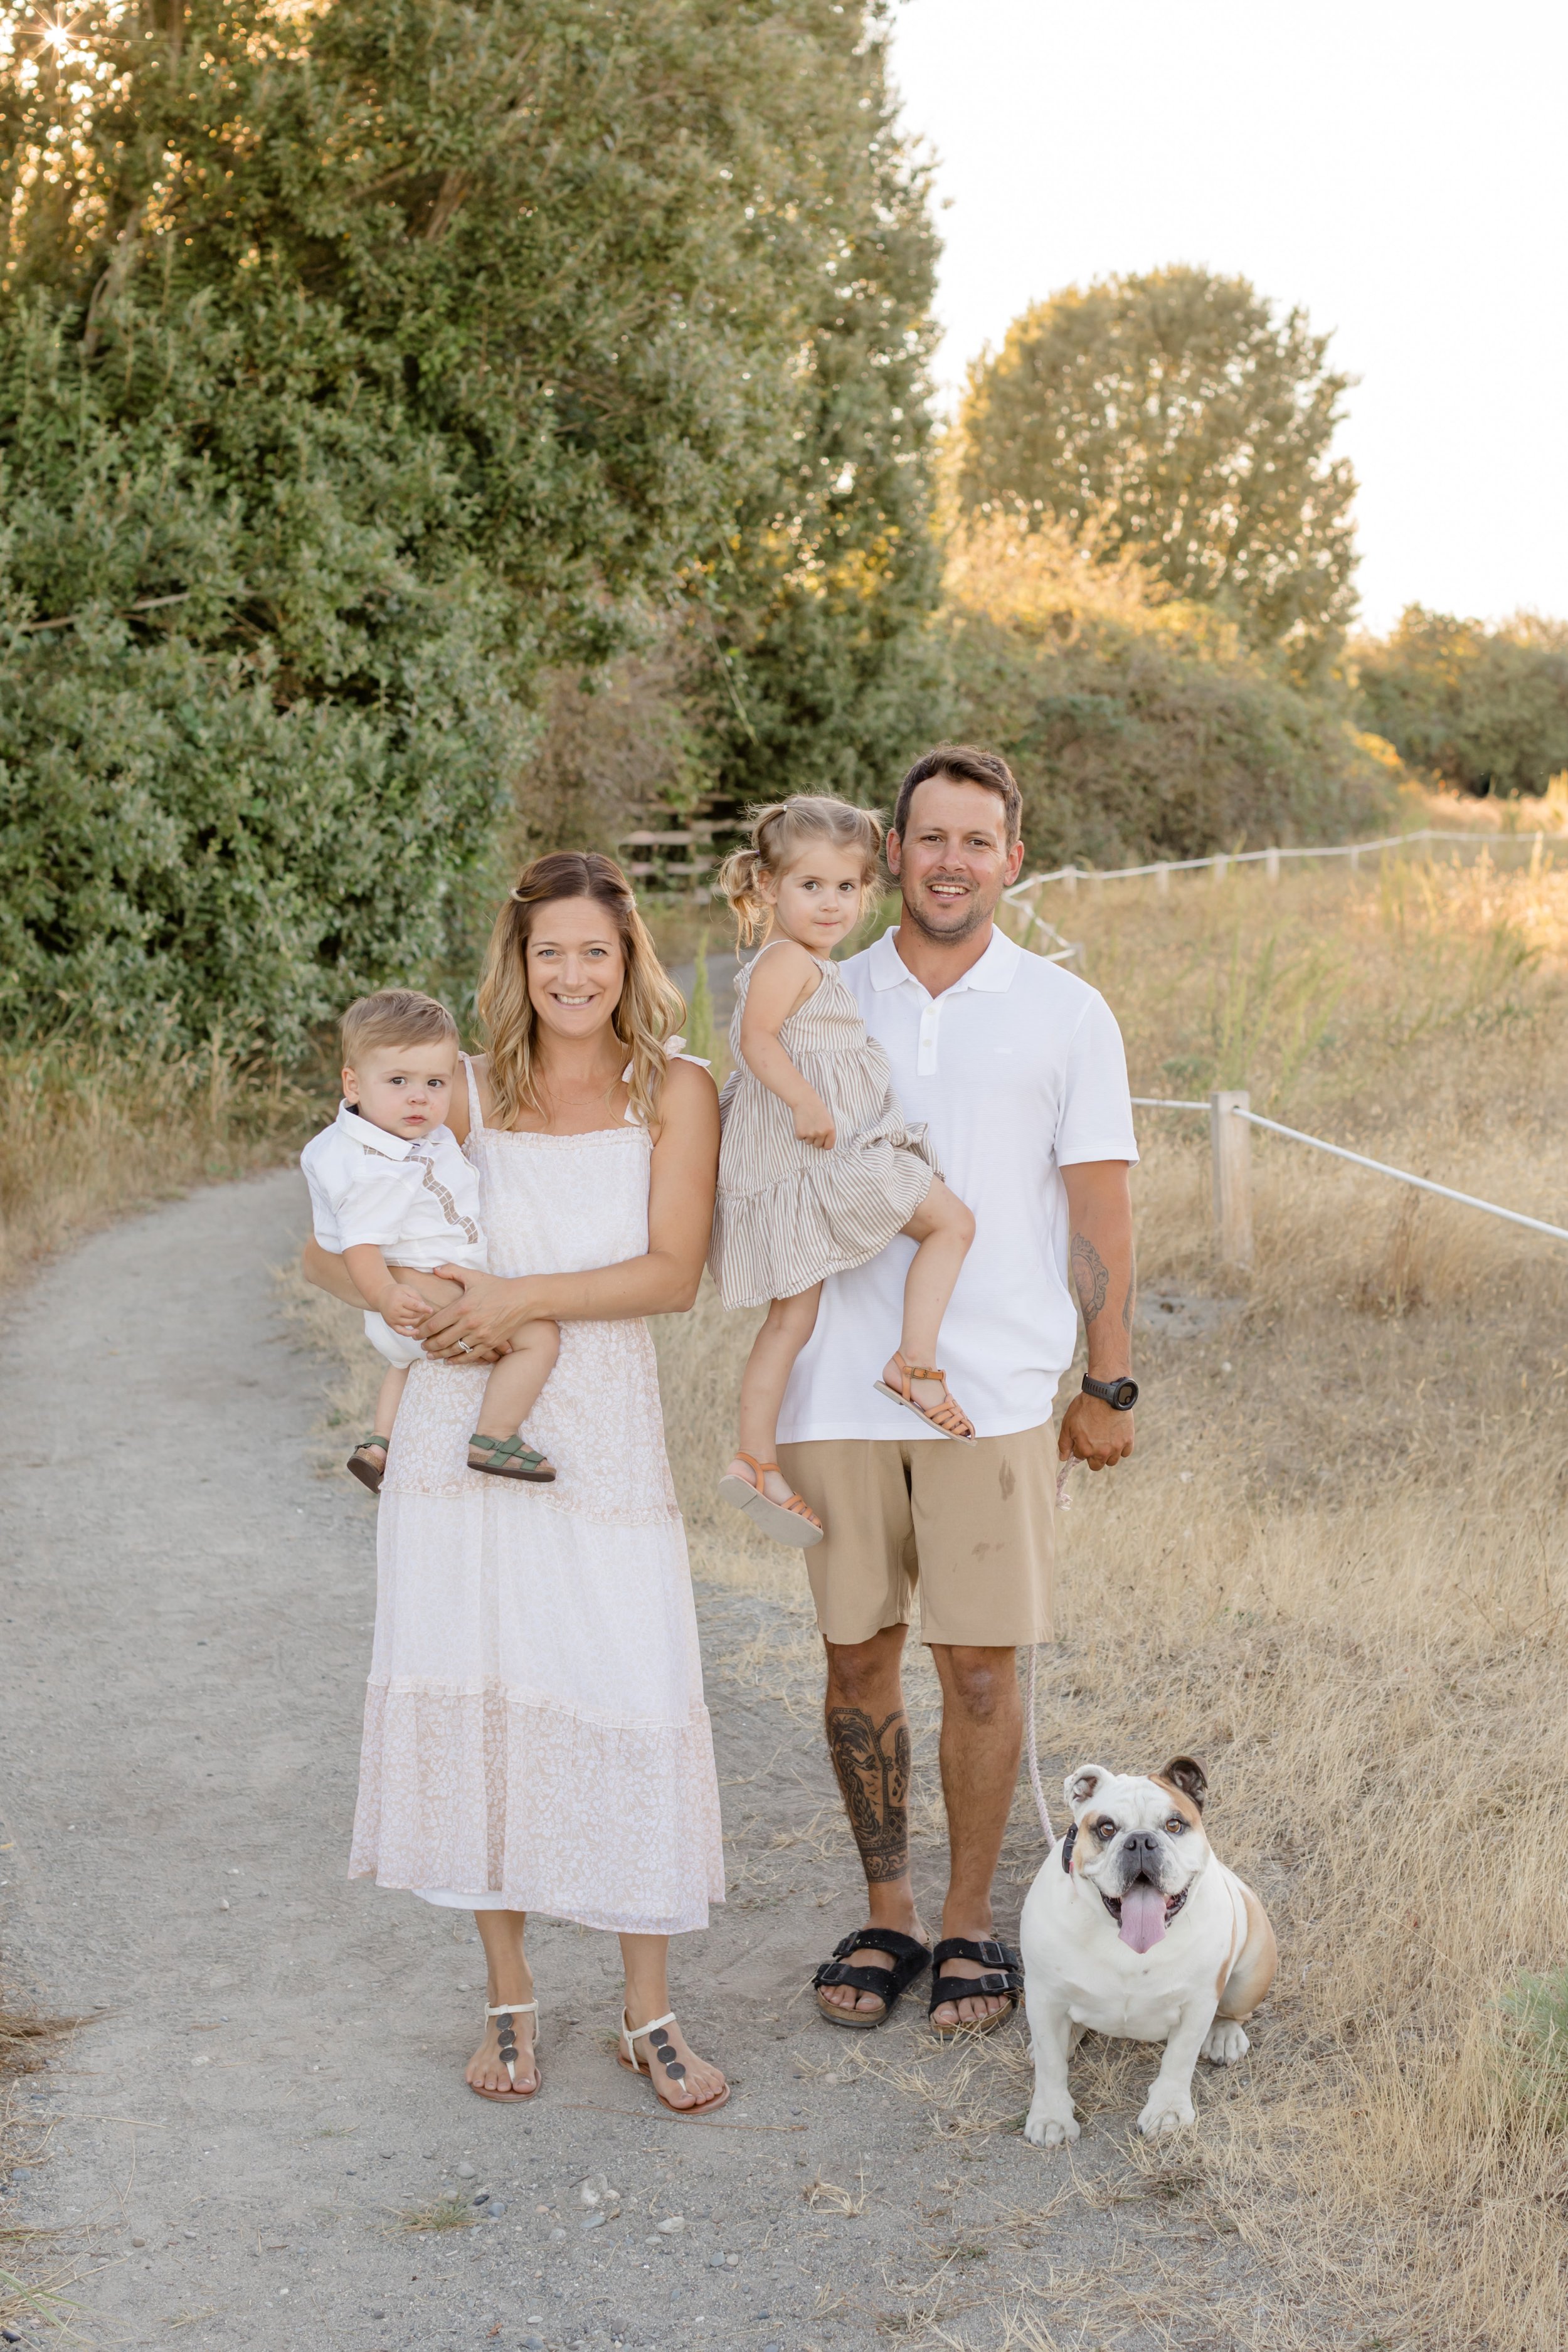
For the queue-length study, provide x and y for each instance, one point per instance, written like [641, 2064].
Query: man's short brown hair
[966, 765]
[394, 1017]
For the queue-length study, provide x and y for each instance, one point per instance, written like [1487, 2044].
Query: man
[1018, 1068]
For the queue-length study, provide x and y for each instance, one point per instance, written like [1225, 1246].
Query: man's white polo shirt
[1018, 1070]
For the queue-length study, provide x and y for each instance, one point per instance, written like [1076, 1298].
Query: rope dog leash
[1063, 1504]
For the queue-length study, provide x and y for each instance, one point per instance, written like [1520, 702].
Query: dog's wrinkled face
[1139, 1843]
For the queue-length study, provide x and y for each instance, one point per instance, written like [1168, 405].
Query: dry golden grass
[88, 1134]
[33, 2292]
[1336, 1570]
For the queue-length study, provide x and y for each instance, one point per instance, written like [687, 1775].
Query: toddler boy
[391, 1192]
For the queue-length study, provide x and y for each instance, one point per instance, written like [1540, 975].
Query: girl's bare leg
[500, 1933]
[945, 1229]
[788, 1325]
[647, 1960]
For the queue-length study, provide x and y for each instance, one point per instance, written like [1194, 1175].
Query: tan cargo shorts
[972, 1527]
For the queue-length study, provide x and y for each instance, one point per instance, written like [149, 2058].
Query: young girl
[817, 1169]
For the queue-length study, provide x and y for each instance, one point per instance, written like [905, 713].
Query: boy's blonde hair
[779, 834]
[394, 1017]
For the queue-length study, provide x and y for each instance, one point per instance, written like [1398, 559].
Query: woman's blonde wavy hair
[779, 834]
[650, 1011]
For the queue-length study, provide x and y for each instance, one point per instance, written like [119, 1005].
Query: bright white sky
[1394, 166]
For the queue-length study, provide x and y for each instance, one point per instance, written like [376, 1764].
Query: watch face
[1126, 1395]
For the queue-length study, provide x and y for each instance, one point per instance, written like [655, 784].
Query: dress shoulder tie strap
[674, 1049]
[475, 1115]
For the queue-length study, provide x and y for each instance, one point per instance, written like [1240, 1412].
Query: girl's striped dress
[789, 1213]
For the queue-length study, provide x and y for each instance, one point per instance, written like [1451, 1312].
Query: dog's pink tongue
[1142, 1916]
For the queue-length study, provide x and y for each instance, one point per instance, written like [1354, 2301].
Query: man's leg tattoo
[872, 1761]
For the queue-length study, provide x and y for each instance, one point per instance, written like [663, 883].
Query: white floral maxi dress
[535, 1736]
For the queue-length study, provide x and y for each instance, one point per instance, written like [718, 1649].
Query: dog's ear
[1185, 1772]
[1079, 1786]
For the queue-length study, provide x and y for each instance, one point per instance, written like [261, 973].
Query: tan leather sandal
[945, 1418]
[792, 1523]
[656, 2035]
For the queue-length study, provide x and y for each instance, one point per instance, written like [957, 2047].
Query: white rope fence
[1270, 859]
[1231, 1118]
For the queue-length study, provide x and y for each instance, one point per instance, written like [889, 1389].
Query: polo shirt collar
[994, 972]
[373, 1138]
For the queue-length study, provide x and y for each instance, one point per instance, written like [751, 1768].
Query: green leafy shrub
[374, 366]
[1535, 2011]
[1484, 710]
[1138, 728]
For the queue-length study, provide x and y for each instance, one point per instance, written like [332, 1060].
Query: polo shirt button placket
[931, 1020]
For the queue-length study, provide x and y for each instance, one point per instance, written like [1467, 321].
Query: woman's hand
[485, 1317]
[814, 1122]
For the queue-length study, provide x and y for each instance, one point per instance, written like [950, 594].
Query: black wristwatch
[1119, 1395]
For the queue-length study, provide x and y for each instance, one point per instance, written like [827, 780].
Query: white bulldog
[1134, 1927]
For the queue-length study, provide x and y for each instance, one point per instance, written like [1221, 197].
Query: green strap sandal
[509, 1458]
[360, 1466]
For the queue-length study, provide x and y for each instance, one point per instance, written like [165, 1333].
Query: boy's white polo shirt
[415, 1198]
[1018, 1071]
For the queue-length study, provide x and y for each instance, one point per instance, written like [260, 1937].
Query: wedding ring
[466, 1346]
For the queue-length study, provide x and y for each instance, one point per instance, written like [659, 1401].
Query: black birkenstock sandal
[1005, 1974]
[909, 1958]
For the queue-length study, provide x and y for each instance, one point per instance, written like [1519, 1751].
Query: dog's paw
[1167, 2111]
[1048, 2130]
[1226, 2044]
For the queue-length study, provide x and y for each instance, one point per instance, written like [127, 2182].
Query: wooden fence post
[1230, 1140]
[1162, 881]
[1221, 868]
[1272, 863]
[1069, 879]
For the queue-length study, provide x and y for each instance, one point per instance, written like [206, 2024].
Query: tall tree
[357, 362]
[1177, 416]
[1485, 709]
[824, 605]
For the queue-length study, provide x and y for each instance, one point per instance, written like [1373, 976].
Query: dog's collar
[1068, 1844]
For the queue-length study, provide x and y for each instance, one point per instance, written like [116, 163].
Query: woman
[535, 1736]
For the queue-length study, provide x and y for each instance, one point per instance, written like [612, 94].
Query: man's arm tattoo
[872, 1761]
[1090, 1275]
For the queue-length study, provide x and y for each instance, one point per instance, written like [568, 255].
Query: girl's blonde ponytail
[737, 880]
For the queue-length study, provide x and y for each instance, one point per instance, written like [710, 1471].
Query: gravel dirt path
[267, 2097]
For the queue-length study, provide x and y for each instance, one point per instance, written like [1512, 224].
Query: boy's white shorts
[392, 1344]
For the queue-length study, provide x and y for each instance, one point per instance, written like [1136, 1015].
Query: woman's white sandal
[789, 1523]
[664, 2050]
[506, 2038]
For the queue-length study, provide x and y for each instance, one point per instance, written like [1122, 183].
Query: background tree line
[365, 369]
[432, 431]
